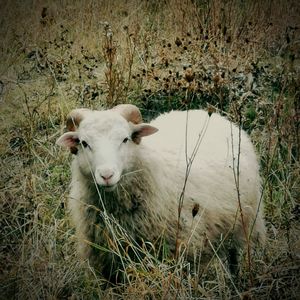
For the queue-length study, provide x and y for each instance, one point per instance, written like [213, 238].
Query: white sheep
[203, 165]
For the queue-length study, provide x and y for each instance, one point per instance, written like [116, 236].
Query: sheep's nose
[106, 176]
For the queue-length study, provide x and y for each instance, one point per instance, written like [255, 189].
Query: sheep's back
[223, 148]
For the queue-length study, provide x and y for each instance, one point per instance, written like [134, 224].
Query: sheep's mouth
[108, 188]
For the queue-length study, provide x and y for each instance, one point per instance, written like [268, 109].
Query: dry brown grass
[241, 58]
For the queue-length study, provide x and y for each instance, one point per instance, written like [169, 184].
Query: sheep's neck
[126, 198]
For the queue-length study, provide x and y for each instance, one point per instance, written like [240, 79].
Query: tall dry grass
[238, 57]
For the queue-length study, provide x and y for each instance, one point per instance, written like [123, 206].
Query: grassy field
[240, 58]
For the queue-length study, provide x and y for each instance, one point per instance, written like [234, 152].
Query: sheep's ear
[129, 112]
[142, 130]
[69, 140]
[75, 117]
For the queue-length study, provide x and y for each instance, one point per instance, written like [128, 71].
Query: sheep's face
[104, 144]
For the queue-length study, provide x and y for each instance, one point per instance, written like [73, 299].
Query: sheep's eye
[84, 144]
[125, 140]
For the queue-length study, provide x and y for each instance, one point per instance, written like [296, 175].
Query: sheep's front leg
[83, 216]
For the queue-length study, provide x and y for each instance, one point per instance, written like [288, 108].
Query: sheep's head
[104, 141]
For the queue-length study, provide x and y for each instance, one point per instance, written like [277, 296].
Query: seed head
[178, 42]
[211, 110]
[189, 75]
